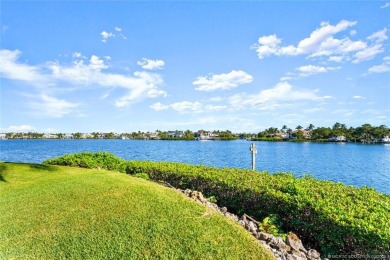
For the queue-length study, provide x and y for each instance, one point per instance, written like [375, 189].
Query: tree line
[363, 133]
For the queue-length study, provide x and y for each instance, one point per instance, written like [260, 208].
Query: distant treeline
[338, 133]
[365, 133]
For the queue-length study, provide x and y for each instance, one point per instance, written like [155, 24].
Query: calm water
[352, 164]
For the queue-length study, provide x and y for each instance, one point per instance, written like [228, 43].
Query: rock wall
[289, 249]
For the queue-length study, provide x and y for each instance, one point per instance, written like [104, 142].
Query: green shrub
[328, 216]
[98, 160]
[271, 225]
[144, 176]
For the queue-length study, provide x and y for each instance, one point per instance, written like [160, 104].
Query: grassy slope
[56, 212]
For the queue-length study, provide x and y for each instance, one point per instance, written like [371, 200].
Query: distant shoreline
[213, 140]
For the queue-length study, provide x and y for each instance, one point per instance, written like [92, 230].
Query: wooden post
[254, 152]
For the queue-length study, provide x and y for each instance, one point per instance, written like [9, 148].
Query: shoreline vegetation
[366, 134]
[332, 217]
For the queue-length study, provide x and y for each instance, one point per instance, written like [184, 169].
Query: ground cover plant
[55, 212]
[331, 217]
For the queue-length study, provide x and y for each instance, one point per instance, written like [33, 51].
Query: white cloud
[151, 64]
[158, 106]
[307, 70]
[379, 36]
[183, 106]
[138, 86]
[322, 42]
[310, 69]
[382, 68]
[106, 35]
[225, 81]
[318, 42]
[368, 53]
[272, 98]
[358, 97]
[18, 128]
[96, 63]
[385, 5]
[268, 45]
[313, 43]
[336, 58]
[215, 107]
[188, 106]
[52, 107]
[11, 69]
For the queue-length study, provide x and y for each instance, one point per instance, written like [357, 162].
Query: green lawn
[54, 212]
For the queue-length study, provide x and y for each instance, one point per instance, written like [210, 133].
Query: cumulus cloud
[223, 81]
[88, 73]
[323, 42]
[138, 86]
[149, 64]
[368, 53]
[107, 35]
[379, 36]
[272, 98]
[18, 128]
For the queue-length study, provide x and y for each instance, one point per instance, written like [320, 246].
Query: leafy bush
[328, 216]
[144, 176]
[99, 160]
[271, 225]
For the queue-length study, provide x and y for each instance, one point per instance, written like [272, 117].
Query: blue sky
[245, 66]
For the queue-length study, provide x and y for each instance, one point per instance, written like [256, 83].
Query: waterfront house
[175, 134]
[385, 140]
[50, 136]
[339, 138]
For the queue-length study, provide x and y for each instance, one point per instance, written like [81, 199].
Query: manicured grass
[54, 212]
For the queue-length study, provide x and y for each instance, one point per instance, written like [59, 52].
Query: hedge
[331, 217]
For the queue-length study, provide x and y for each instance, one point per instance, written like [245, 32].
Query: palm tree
[336, 126]
[298, 127]
[284, 128]
[310, 127]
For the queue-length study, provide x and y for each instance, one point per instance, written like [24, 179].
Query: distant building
[49, 136]
[339, 138]
[175, 134]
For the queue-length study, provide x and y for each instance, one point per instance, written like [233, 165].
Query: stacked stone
[291, 249]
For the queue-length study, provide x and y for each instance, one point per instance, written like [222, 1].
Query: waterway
[353, 164]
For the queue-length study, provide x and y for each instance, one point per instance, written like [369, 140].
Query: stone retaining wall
[289, 249]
